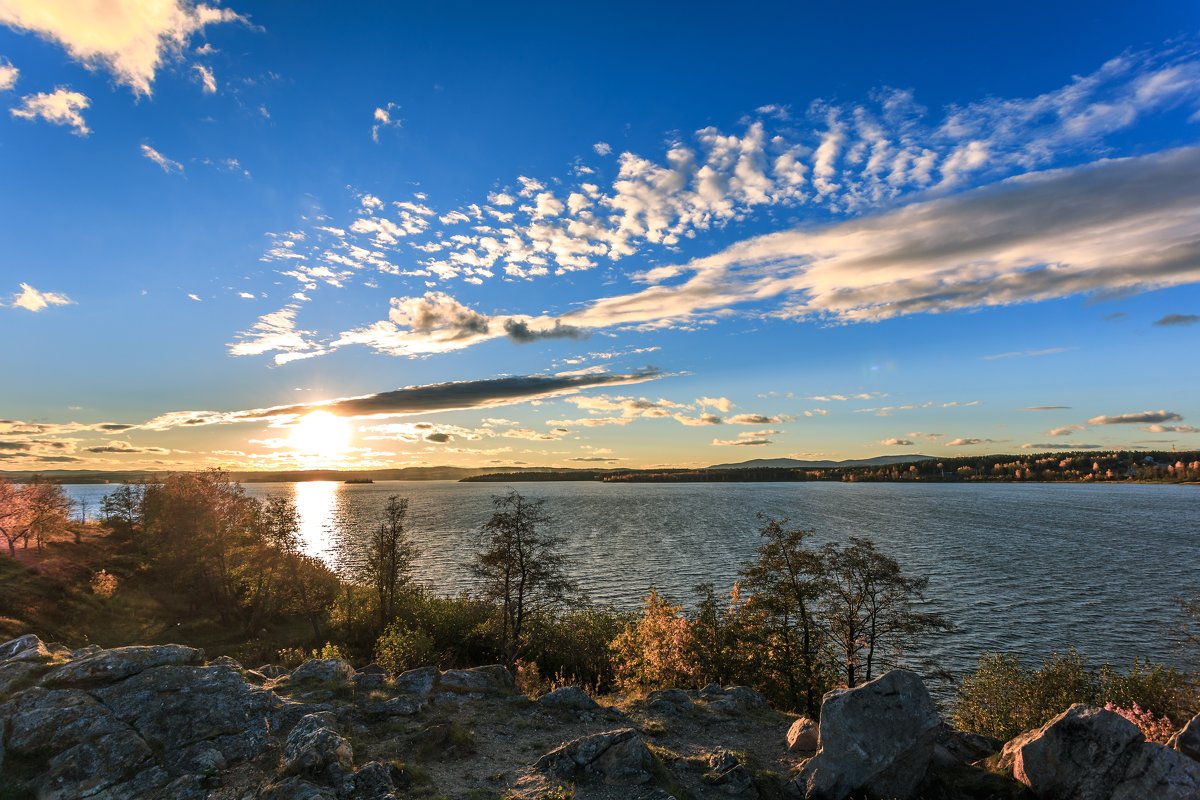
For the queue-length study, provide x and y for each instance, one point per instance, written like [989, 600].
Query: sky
[310, 235]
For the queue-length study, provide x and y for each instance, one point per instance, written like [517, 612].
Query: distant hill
[402, 474]
[793, 463]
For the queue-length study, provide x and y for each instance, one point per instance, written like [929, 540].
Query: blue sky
[612, 235]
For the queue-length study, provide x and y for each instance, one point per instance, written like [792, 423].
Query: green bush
[1003, 698]
[403, 648]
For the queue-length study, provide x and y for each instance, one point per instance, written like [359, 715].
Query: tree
[13, 515]
[48, 510]
[123, 511]
[658, 650]
[868, 607]
[520, 569]
[390, 559]
[786, 580]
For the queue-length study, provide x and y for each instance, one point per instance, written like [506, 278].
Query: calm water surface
[1029, 569]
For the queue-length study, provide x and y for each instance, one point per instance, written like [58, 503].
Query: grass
[49, 593]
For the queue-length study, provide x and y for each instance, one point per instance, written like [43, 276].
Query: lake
[1024, 568]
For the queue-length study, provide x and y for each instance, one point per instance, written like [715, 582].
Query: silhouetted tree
[521, 569]
[390, 557]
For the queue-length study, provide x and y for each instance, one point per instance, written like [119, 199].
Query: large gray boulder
[802, 736]
[617, 758]
[490, 680]
[109, 666]
[876, 739]
[1088, 753]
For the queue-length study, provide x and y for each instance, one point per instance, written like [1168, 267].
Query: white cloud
[602, 148]
[1049, 351]
[384, 119]
[208, 81]
[194, 297]
[8, 75]
[130, 38]
[31, 299]
[894, 442]
[60, 107]
[277, 331]
[166, 164]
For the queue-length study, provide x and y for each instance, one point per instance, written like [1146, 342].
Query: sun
[320, 434]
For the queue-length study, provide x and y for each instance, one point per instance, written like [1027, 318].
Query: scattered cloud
[125, 447]
[277, 331]
[747, 439]
[968, 441]
[384, 119]
[129, 38]
[1178, 319]
[756, 419]
[1171, 429]
[60, 107]
[165, 164]
[894, 442]
[1141, 417]
[31, 299]
[1060, 446]
[1049, 351]
[1065, 430]
[519, 331]
[602, 148]
[208, 81]
[8, 75]
[1047, 408]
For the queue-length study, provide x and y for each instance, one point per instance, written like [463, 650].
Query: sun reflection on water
[317, 503]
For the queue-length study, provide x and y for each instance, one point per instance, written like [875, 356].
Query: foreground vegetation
[193, 559]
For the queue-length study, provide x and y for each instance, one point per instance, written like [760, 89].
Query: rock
[727, 773]
[226, 661]
[402, 706]
[295, 789]
[24, 648]
[90, 749]
[315, 750]
[956, 747]
[493, 679]
[1187, 741]
[107, 666]
[322, 670]
[618, 758]
[371, 781]
[220, 708]
[1089, 753]
[372, 669]
[369, 681]
[668, 701]
[734, 699]
[568, 697]
[802, 736]
[272, 671]
[875, 739]
[16, 674]
[417, 681]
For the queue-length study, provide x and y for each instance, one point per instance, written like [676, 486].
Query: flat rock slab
[108, 666]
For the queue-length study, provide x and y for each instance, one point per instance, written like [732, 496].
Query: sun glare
[320, 434]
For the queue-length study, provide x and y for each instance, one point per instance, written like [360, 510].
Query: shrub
[655, 652]
[1003, 698]
[403, 648]
[104, 584]
[330, 650]
[1154, 728]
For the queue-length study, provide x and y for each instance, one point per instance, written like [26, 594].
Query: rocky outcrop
[1187, 741]
[569, 698]
[616, 758]
[322, 670]
[876, 739]
[1089, 753]
[108, 666]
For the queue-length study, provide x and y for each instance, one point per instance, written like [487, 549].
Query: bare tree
[390, 558]
[521, 569]
[870, 609]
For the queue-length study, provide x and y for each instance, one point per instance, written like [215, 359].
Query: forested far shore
[1123, 466]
